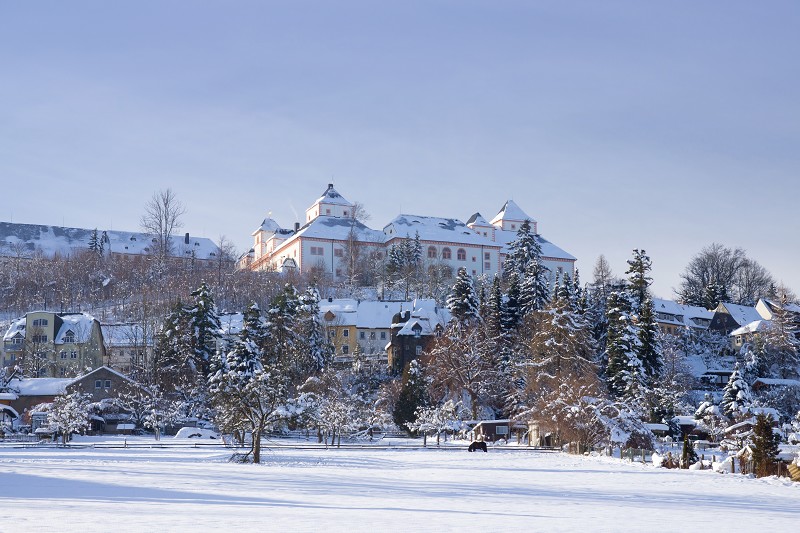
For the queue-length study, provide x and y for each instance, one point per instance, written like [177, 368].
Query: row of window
[102, 384]
[72, 355]
[361, 334]
[40, 322]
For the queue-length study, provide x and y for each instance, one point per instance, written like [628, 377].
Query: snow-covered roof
[98, 369]
[124, 335]
[450, 230]
[50, 240]
[778, 382]
[39, 386]
[16, 328]
[682, 315]
[742, 314]
[549, 249]
[336, 229]
[330, 196]
[80, 324]
[478, 220]
[364, 314]
[511, 211]
[425, 316]
[268, 225]
[752, 327]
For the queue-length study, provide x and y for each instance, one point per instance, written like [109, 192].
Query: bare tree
[162, 218]
[722, 273]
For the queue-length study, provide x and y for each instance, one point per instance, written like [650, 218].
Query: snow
[196, 433]
[742, 314]
[511, 211]
[39, 386]
[51, 240]
[194, 488]
[752, 327]
[436, 229]
[80, 324]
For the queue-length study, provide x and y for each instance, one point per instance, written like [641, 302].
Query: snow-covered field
[188, 489]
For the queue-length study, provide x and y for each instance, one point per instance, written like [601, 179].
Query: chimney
[296, 227]
[330, 186]
[186, 238]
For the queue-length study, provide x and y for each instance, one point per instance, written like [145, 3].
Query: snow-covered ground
[197, 489]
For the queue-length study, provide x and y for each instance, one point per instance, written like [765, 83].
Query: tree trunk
[256, 446]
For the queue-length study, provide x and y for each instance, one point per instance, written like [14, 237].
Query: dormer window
[133, 238]
[69, 336]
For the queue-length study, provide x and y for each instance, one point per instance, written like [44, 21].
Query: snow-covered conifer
[462, 301]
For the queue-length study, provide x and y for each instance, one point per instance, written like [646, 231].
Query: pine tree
[523, 250]
[624, 371]
[204, 325]
[462, 301]
[94, 243]
[534, 294]
[649, 352]
[511, 313]
[413, 396]
[737, 397]
[316, 350]
[494, 309]
[639, 279]
[766, 445]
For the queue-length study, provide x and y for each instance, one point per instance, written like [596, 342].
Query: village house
[127, 346]
[413, 333]
[54, 344]
[673, 317]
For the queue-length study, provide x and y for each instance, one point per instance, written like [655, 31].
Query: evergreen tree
[316, 350]
[523, 250]
[714, 294]
[94, 243]
[639, 279]
[462, 301]
[511, 313]
[624, 371]
[204, 325]
[649, 352]
[494, 309]
[534, 292]
[413, 396]
[766, 445]
[737, 397]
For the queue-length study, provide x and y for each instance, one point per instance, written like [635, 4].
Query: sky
[664, 126]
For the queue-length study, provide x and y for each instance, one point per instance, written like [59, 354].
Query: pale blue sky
[617, 125]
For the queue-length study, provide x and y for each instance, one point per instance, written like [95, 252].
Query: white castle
[479, 246]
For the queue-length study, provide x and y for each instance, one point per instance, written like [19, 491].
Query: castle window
[431, 252]
[446, 253]
[461, 254]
